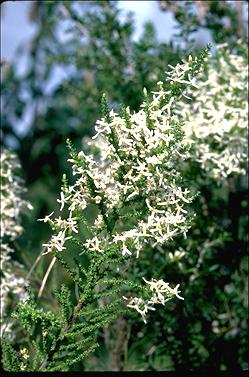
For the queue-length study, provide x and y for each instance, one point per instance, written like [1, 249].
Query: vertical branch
[239, 9]
[128, 334]
[119, 345]
[46, 276]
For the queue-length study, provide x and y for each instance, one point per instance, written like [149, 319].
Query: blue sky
[16, 28]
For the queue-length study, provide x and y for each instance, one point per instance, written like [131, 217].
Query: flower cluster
[134, 175]
[11, 196]
[216, 121]
[161, 294]
[12, 205]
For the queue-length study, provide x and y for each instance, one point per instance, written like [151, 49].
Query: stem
[116, 359]
[46, 276]
[33, 266]
[126, 364]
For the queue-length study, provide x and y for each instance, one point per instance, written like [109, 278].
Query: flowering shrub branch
[216, 121]
[133, 179]
[12, 205]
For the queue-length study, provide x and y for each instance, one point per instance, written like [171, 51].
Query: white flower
[68, 224]
[93, 244]
[159, 286]
[97, 199]
[63, 200]
[161, 293]
[57, 242]
[46, 218]
[126, 250]
[139, 305]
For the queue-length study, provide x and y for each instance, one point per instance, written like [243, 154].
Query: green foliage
[226, 20]
[10, 359]
[65, 338]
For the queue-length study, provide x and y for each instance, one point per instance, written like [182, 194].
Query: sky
[16, 29]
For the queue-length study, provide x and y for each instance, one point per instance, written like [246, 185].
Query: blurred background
[55, 68]
[57, 58]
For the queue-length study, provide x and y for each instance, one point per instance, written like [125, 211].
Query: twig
[33, 266]
[46, 276]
